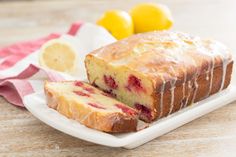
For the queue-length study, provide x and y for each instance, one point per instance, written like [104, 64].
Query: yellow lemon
[118, 23]
[58, 55]
[151, 16]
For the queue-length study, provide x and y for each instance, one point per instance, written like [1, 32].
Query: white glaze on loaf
[161, 61]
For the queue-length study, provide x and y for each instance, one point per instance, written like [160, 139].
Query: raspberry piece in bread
[89, 106]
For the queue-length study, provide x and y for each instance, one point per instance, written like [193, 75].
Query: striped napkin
[20, 74]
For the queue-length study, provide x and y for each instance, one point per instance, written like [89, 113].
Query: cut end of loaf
[123, 84]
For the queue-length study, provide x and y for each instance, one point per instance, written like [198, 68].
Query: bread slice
[159, 73]
[90, 106]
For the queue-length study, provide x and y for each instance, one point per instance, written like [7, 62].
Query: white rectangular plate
[36, 104]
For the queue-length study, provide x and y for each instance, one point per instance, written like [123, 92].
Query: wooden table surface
[23, 135]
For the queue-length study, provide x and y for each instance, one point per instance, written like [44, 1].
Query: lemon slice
[58, 55]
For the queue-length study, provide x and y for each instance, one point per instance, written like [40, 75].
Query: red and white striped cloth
[20, 73]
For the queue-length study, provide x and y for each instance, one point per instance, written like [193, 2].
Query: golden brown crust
[107, 122]
[202, 91]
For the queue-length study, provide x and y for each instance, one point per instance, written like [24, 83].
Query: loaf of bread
[90, 106]
[159, 73]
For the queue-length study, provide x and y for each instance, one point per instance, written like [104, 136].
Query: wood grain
[23, 135]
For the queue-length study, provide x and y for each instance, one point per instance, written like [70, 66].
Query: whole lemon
[119, 23]
[150, 16]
